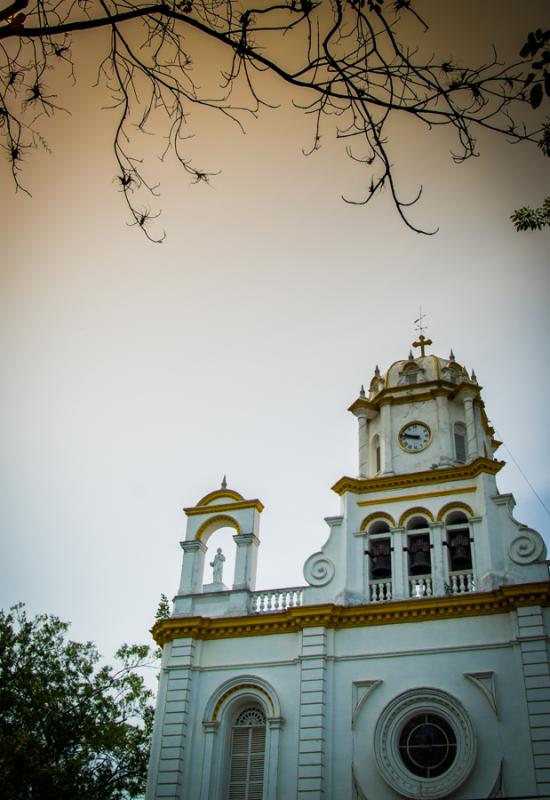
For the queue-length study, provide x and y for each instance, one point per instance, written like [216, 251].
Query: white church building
[414, 663]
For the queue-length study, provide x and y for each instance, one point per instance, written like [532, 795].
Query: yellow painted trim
[421, 496]
[411, 512]
[377, 515]
[292, 620]
[381, 484]
[456, 506]
[219, 493]
[229, 521]
[239, 688]
[257, 504]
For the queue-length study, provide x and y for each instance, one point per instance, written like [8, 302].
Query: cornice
[426, 477]
[414, 393]
[499, 601]
[218, 508]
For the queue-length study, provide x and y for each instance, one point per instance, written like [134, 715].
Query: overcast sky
[135, 375]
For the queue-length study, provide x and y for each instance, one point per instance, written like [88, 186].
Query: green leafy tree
[70, 728]
[163, 609]
[537, 48]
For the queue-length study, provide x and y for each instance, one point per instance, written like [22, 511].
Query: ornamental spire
[420, 327]
[224, 482]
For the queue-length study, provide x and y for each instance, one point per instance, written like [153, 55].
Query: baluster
[389, 594]
[454, 587]
[429, 587]
[462, 583]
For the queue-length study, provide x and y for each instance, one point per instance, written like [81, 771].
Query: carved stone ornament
[400, 711]
[527, 548]
[318, 570]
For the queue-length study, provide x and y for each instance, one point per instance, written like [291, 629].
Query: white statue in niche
[217, 566]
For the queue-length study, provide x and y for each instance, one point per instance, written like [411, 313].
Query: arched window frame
[376, 454]
[221, 712]
[460, 442]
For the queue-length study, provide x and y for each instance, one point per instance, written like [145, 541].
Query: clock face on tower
[414, 436]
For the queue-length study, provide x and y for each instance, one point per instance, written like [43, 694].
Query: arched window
[247, 755]
[460, 442]
[376, 453]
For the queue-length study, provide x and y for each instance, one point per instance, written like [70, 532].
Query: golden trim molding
[377, 515]
[257, 504]
[499, 601]
[462, 473]
[220, 518]
[421, 496]
[411, 512]
[204, 501]
[454, 506]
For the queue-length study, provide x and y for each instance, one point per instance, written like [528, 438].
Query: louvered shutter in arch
[246, 773]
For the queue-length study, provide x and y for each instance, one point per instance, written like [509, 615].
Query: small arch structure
[407, 517]
[375, 517]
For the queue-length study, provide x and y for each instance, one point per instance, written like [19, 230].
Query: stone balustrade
[270, 600]
[379, 591]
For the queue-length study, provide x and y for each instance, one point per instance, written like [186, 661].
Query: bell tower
[424, 413]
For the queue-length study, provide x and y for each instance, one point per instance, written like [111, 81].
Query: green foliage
[70, 728]
[534, 219]
[163, 609]
[537, 48]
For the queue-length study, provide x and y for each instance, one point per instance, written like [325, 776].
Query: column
[447, 449]
[440, 572]
[399, 567]
[167, 773]
[193, 566]
[470, 426]
[363, 446]
[210, 730]
[311, 736]
[536, 676]
[246, 561]
[386, 439]
[274, 725]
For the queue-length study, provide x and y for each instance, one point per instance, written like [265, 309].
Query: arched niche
[222, 710]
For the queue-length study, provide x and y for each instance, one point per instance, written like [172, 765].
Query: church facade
[414, 662]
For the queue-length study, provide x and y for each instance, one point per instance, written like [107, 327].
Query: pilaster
[311, 737]
[440, 572]
[192, 567]
[363, 446]
[167, 775]
[470, 426]
[246, 561]
[386, 435]
[536, 676]
[444, 425]
[399, 572]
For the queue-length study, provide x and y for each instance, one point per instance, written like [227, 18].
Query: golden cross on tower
[422, 341]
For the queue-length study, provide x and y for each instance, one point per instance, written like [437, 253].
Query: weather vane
[420, 327]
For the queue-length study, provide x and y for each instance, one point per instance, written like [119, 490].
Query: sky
[136, 375]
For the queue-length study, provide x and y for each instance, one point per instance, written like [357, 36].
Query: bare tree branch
[352, 63]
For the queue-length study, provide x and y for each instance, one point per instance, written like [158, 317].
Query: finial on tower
[420, 327]
[377, 371]
[224, 482]
[451, 355]
[474, 376]
[362, 391]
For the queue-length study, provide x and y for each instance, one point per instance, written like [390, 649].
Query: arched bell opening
[379, 551]
[459, 552]
[419, 559]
